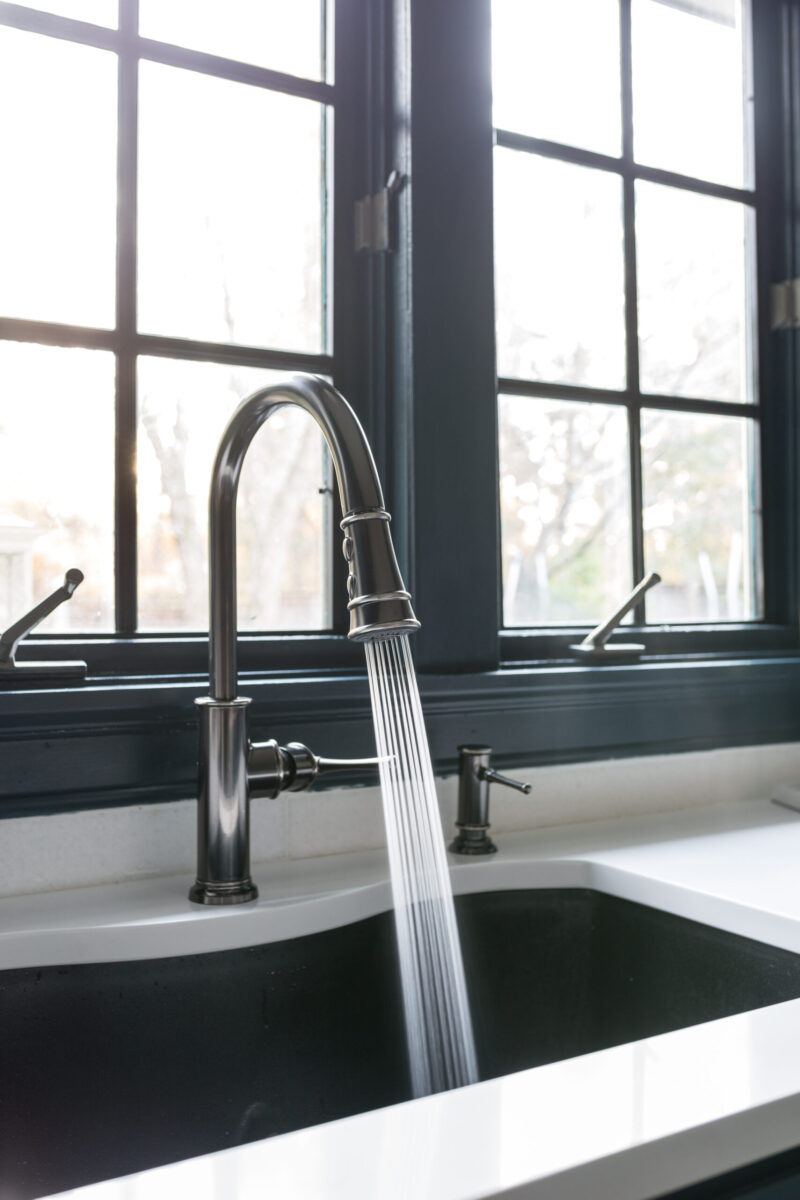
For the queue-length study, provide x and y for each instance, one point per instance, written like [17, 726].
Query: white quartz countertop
[628, 1123]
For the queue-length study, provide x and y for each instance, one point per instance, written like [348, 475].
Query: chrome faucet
[231, 769]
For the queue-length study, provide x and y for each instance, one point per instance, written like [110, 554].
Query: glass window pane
[693, 328]
[564, 509]
[690, 88]
[558, 271]
[283, 516]
[701, 517]
[230, 212]
[268, 33]
[58, 199]
[96, 12]
[556, 72]
[57, 483]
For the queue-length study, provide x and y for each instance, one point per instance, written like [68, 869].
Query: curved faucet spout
[378, 602]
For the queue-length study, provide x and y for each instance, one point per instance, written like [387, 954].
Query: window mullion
[454, 377]
[631, 307]
[125, 544]
[776, 119]
[347, 299]
[632, 370]
[637, 521]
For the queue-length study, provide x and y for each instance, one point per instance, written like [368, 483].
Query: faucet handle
[307, 765]
[342, 764]
[272, 769]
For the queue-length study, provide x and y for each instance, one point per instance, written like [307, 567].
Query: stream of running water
[440, 1040]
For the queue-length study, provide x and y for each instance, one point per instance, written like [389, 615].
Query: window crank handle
[10, 640]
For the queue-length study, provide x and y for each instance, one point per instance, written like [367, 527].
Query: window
[625, 241]
[166, 249]
[608, 266]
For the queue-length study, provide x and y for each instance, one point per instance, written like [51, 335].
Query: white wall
[107, 845]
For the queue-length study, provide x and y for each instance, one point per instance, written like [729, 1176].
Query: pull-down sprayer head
[378, 602]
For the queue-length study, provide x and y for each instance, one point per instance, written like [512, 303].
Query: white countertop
[627, 1123]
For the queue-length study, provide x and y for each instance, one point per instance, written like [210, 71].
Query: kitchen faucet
[231, 768]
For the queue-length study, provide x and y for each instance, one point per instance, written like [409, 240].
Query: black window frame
[414, 352]
[460, 180]
[127, 650]
[775, 628]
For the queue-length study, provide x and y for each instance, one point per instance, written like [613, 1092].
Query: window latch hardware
[785, 304]
[10, 668]
[594, 649]
[374, 230]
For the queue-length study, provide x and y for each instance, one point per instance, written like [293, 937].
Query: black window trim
[771, 629]
[414, 351]
[124, 340]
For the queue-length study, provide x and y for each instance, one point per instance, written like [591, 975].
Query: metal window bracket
[785, 304]
[374, 228]
[595, 647]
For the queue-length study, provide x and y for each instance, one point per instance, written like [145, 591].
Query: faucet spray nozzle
[378, 602]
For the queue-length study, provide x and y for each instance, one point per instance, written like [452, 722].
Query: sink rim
[152, 918]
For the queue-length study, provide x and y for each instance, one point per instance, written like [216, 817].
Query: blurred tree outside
[281, 511]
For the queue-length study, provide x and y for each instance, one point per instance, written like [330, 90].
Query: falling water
[440, 1041]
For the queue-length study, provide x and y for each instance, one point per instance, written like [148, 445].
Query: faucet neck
[359, 491]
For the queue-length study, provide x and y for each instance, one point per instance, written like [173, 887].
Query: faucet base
[223, 893]
[472, 839]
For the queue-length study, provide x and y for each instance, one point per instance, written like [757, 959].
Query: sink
[557, 973]
[107, 1069]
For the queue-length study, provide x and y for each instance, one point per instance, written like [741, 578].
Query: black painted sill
[127, 740]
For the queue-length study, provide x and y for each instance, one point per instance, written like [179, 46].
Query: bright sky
[556, 75]
[558, 227]
[230, 243]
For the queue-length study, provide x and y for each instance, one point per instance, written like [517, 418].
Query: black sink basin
[111, 1068]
